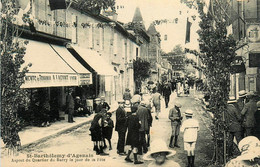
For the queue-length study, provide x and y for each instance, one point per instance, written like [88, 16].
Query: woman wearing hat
[159, 153]
[190, 127]
[250, 153]
[248, 113]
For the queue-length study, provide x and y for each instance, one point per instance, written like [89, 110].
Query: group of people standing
[241, 118]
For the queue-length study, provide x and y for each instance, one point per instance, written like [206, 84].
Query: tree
[141, 71]
[217, 51]
[12, 76]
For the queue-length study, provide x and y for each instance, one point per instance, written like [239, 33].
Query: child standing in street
[190, 127]
[108, 129]
[159, 153]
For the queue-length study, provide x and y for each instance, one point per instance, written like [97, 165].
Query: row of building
[90, 52]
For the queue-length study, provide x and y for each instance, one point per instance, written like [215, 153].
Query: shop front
[103, 73]
[54, 70]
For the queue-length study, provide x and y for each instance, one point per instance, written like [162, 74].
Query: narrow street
[77, 143]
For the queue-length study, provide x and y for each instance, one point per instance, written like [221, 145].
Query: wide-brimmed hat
[97, 99]
[120, 101]
[178, 105]
[77, 97]
[188, 112]
[231, 99]
[158, 146]
[258, 105]
[242, 93]
[249, 148]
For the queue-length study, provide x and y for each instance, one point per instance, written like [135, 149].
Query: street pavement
[77, 148]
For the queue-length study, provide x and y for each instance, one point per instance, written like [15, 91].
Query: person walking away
[248, 114]
[156, 99]
[104, 104]
[250, 153]
[190, 128]
[121, 127]
[108, 129]
[97, 105]
[166, 94]
[257, 118]
[233, 119]
[175, 117]
[132, 139]
[70, 106]
[96, 129]
[178, 89]
[143, 115]
[159, 154]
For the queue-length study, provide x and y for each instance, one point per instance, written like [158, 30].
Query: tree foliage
[12, 75]
[141, 71]
[95, 5]
[217, 51]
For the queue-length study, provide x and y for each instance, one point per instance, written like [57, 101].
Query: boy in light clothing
[190, 127]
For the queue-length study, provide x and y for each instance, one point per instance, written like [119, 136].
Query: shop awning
[85, 76]
[48, 68]
[94, 60]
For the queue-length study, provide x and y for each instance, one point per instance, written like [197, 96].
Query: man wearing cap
[70, 106]
[190, 127]
[233, 119]
[175, 117]
[250, 153]
[121, 126]
[241, 99]
[248, 114]
[97, 105]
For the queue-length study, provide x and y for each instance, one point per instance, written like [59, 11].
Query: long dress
[133, 131]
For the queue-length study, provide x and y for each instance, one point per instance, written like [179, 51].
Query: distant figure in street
[143, 115]
[70, 106]
[173, 83]
[166, 94]
[233, 119]
[132, 139]
[248, 114]
[175, 117]
[108, 129]
[96, 129]
[121, 126]
[127, 95]
[190, 127]
[156, 99]
[97, 105]
[150, 121]
[241, 100]
[178, 88]
[257, 118]
[104, 103]
[250, 153]
[159, 154]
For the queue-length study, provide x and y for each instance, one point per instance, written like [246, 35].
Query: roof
[152, 30]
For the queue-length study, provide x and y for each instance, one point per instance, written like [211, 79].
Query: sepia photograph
[107, 83]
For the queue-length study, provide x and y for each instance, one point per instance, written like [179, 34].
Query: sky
[159, 10]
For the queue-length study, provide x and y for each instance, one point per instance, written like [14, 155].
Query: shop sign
[85, 79]
[253, 33]
[37, 80]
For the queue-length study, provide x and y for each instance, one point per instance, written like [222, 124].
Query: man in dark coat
[248, 114]
[233, 119]
[143, 115]
[175, 117]
[70, 106]
[166, 93]
[132, 139]
[121, 127]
